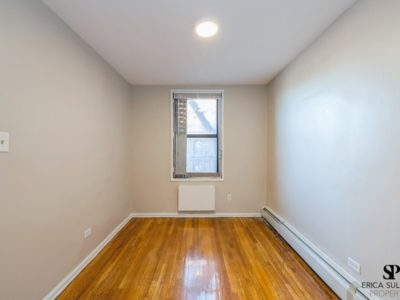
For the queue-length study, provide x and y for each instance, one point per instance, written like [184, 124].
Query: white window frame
[221, 136]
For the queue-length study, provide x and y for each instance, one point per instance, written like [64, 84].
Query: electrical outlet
[355, 266]
[87, 233]
[229, 197]
[4, 141]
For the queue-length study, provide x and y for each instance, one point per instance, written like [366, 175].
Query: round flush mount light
[206, 29]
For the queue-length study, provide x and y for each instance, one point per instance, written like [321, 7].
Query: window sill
[203, 179]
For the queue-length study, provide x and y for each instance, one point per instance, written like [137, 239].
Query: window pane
[202, 116]
[201, 155]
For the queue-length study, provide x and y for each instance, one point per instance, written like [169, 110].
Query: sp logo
[391, 271]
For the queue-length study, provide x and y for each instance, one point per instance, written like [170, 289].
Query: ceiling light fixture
[206, 29]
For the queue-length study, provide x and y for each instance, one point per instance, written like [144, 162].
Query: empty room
[197, 150]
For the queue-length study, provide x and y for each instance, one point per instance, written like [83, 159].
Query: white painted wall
[334, 133]
[67, 114]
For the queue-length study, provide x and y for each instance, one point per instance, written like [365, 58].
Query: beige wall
[335, 167]
[67, 114]
[245, 150]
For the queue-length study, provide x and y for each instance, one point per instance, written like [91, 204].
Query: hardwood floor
[221, 258]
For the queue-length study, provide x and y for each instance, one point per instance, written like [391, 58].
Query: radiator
[196, 198]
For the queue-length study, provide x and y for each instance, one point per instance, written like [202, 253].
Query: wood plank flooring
[213, 258]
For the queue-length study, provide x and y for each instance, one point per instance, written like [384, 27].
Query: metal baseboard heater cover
[196, 198]
[344, 285]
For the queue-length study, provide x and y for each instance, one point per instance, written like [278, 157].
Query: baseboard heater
[341, 282]
[196, 198]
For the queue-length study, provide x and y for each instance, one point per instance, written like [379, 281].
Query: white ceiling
[153, 42]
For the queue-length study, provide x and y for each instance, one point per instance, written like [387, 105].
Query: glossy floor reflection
[201, 279]
[197, 259]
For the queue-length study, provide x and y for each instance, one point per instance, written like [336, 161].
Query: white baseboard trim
[338, 279]
[197, 215]
[67, 279]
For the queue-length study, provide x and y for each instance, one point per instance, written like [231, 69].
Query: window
[197, 147]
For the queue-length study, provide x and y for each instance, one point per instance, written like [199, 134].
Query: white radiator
[196, 198]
